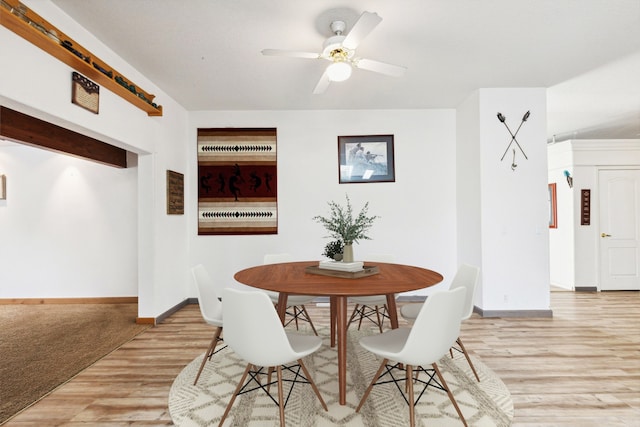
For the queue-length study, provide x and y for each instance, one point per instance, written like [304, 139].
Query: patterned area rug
[487, 403]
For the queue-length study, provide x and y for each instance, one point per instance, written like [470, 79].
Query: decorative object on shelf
[569, 178]
[237, 181]
[69, 46]
[503, 120]
[41, 33]
[103, 71]
[342, 225]
[333, 250]
[367, 158]
[84, 92]
[175, 193]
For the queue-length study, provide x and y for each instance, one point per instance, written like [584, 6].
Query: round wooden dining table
[293, 278]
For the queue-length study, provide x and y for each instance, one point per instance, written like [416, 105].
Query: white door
[619, 229]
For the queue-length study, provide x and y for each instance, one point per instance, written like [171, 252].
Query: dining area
[276, 343]
[294, 279]
[366, 362]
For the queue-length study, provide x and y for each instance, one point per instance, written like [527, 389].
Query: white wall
[574, 247]
[561, 239]
[68, 227]
[509, 234]
[417, 211]
[37, 84]
[468, 182]
[468, 188]
[515, 219]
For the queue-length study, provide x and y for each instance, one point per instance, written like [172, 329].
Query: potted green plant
[343, 226]
[333, 250]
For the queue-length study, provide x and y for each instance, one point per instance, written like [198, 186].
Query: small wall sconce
[569, 178]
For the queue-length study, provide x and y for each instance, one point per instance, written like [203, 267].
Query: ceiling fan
[340, 50]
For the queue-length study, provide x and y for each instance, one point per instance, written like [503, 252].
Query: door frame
[596, 219]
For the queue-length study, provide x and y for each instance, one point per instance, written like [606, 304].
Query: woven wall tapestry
[237, 181]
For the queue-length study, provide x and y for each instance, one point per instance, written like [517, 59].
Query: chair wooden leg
[464, 351]
[296, 313]
[313, 384]
[379, 320]
[210, 351]
[385, 312]
[373, 381]
[453, 400]
[280, 395]
[353, 315]
[412, 409]
[235, 393]
[269, 373]
[306, 315]
[281, 399]
[362, 313]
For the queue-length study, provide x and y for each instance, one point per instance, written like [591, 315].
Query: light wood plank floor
[580, 368]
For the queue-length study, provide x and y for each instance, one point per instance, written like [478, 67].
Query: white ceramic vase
[347, 253]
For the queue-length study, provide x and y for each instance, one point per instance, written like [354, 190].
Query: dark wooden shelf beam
[19, 127]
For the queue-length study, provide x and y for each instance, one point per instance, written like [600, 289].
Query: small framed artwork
[366, 158]
[585, 207]
[553, 210]
[3, 187]
[175, 193]
[84, 92]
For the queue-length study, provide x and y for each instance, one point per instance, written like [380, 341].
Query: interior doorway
[619, 229]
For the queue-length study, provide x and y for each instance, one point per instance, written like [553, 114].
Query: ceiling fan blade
[290, 53]
[380, 67]
[323, 83]
[361, 29]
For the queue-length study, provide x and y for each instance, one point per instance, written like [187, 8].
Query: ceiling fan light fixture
[340, 51]
[339, 71]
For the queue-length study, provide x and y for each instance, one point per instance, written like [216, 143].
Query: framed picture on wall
[366, 158]
[175, 193]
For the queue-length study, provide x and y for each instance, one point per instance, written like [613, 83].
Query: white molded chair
[210, 308]
[295, 303]
[371, 307]
[466, 277]
[254, 331]
[433, 333]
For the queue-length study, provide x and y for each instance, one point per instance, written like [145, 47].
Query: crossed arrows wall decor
[513, 138]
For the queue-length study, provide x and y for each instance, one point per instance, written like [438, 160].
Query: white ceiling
[206, 54]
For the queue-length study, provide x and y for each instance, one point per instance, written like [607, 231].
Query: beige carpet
[487, 403]
[43, 346]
